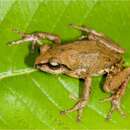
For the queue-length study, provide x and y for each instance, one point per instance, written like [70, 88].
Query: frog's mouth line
[47, 67]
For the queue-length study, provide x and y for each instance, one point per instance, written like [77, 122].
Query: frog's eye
[52, 63]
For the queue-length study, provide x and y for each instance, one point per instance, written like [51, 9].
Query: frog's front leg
[83, 101]
[117, 84]
[36, 38]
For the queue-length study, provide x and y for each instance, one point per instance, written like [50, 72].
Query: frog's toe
[79, 114]
[79, 106]
[115, 101]
[63, 112]
[105, 99]
[73, 97]
[109, 116]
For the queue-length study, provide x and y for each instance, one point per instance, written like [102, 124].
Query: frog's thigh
[106, 86]
[113, 82]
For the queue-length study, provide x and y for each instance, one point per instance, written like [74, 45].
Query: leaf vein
[8, 11]
[11, 73]
[28, 107]
[60, 16]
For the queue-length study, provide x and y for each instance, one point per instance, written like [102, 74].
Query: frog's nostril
[38, 66]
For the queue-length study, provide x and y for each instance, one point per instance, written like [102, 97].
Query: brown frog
[92, 55]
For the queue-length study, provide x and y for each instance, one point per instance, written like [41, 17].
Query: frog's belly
[82, 73]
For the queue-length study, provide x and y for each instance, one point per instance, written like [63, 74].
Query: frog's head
[50, 64]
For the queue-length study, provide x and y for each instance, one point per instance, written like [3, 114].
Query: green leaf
[33, 99]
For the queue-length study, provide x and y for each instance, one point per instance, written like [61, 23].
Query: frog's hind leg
[116, 99]
[82, 102]
[117, 83]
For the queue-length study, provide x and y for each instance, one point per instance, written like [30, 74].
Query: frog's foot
[115, 101]
[79, 106]
[73, 97]
[36, 38]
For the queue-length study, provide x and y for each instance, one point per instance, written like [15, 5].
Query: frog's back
[89, 55]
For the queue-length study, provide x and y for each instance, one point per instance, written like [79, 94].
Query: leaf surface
[33, 99]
